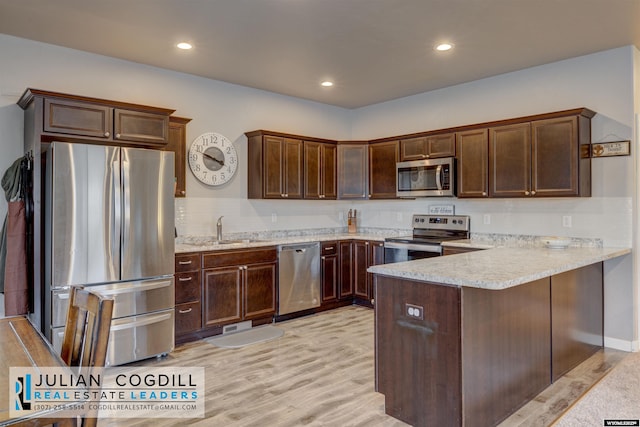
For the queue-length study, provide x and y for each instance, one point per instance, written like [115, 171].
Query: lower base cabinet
[218, 288]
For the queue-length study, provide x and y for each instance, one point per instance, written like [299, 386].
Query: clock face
[212, 158]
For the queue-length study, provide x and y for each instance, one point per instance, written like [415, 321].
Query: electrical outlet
[486, 219]
[566, 221]
[274, 218]
[414, 311]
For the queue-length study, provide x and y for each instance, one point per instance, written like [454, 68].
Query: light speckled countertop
[207, 244]
[497, 268]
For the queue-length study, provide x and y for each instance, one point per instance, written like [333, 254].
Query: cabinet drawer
[225, 258]
[187, 287]
[329, 248]
[188, 317]
[187, 262]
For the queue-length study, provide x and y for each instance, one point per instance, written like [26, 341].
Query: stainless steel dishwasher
[299, 277]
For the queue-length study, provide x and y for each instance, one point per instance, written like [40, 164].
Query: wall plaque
[609, 149]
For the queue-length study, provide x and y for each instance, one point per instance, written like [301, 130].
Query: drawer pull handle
[184, 262]
[185, 311]
[329, 248]
[184, 279]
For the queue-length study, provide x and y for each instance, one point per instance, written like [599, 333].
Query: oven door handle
[413, 247]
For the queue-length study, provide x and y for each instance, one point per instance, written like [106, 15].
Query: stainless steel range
[429, 231]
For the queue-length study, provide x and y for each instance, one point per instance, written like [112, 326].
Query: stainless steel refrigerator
[109, 225]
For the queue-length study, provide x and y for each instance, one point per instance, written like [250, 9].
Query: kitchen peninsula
[469, 338]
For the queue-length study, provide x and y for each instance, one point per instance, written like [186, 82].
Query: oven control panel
[441, 222]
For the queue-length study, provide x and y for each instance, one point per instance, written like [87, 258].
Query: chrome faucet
[219, 229]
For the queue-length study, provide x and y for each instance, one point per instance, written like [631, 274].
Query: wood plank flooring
[321, 373]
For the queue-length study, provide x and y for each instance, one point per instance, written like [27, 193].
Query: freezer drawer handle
[131, 289]
[136, 323]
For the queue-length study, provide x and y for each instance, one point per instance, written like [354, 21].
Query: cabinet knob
[424, 156]
[484, 193]
[322, 258]
[281, 194]
[182, 192]
[533, 193]
[117, 136]
[366, 243]
[107, 134]
[241, 268]
[526, 193]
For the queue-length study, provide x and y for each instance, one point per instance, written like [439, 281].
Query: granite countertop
[498, 268]
[202, 244]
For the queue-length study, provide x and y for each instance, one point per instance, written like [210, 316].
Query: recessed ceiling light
[184, 46]
[442, 47]
[327, 83]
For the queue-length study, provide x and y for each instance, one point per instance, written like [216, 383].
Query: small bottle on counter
[352, 221]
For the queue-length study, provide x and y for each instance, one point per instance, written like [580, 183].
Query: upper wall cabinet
[320, 175]
[473, 163]
[383, 157]
[71, 117]
[428, 147]
[178, 144]
[283, 166]
[353, 170]
[548, 157]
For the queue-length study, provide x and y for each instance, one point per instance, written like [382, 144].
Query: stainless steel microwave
[426, 178]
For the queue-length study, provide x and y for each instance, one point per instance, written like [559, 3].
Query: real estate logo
[134, 392]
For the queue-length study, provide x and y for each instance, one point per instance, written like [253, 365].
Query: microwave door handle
[439, 177]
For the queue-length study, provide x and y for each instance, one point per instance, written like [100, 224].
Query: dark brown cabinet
[364, 255]
[353, 171]
[275, 166]
[383, 157]
[473, 163]
[105, 120]
[428, 147]
[188, 314]
[541, 158]
[178, 144]
[329, 268]
[239, 285]
[320, 170]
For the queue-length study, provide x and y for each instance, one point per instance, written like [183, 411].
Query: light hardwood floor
[321, 373]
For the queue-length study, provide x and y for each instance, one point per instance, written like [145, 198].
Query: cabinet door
[222, 295]
[473, 163]
[345, 282]
[77, 118]
[413, 148]
[273, 167]
[329, 273]
[510, 160]
[353, 171]
[329, 181]
[382, 170]
[555, 156]
[312, 170]
[292, 168]
[359, 265]
[441, 145]
[140, 127]
[178, 144]
[259, 290]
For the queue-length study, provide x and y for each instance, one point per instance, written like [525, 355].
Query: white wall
[602, 82]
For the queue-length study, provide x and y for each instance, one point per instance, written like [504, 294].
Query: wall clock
[213, 158]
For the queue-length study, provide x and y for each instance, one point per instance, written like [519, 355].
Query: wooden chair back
[86, 334]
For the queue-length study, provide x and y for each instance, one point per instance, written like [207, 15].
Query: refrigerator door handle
[126, 205]
[116, 215]
[135, 288]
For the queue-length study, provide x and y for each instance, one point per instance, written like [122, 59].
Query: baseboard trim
[624, 345]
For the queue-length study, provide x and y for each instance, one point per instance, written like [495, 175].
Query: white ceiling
[374, 50]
